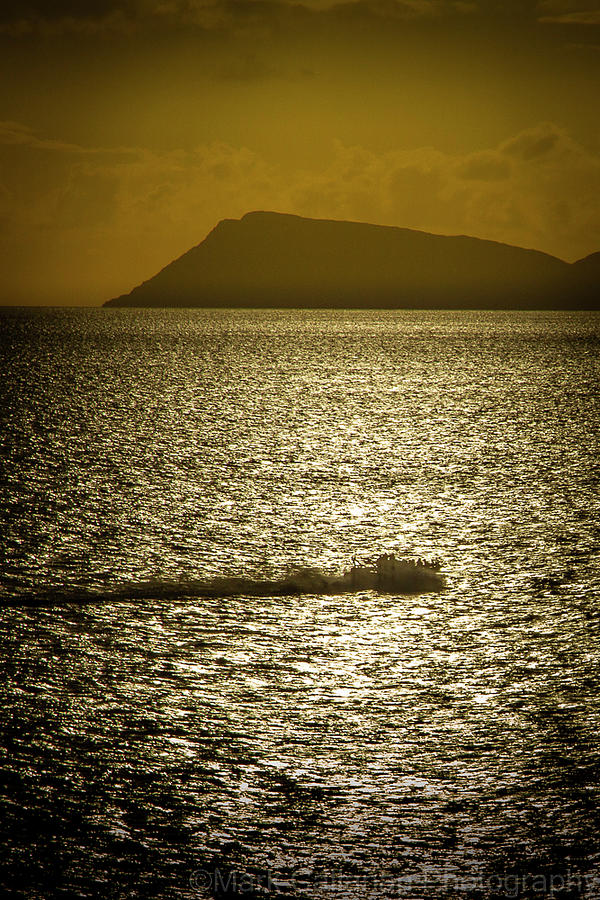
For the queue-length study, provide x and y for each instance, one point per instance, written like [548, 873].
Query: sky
[130, 128]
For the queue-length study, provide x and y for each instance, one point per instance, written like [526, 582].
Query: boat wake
[385, 575]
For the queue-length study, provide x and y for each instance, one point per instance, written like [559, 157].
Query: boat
[387, 574]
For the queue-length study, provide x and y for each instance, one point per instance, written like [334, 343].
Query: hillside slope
[278, 260]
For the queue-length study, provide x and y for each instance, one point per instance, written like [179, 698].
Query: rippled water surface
[155, 742]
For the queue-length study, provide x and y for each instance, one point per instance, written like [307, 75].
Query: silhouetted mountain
[270, 259]
[585, 278]
[588, 268]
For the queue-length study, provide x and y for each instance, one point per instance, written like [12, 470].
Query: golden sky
[128, 130]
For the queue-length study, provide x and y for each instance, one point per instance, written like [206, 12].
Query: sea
[166, 732]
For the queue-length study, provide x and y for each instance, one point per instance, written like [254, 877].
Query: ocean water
[159, 742]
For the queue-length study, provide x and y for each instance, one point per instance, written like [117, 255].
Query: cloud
[584, 17]
[549, 200]
[16, 134]
[21, 16]
[569, 12]
[509, 10]
[23, 138]
[18, 17]
[484, 166]
[91, 222]
[71, 15]
[535, 143]
[58, 9]
[537, 189]
[49, 19]
[270, 17]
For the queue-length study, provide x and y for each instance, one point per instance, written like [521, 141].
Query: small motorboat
[387, 573]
